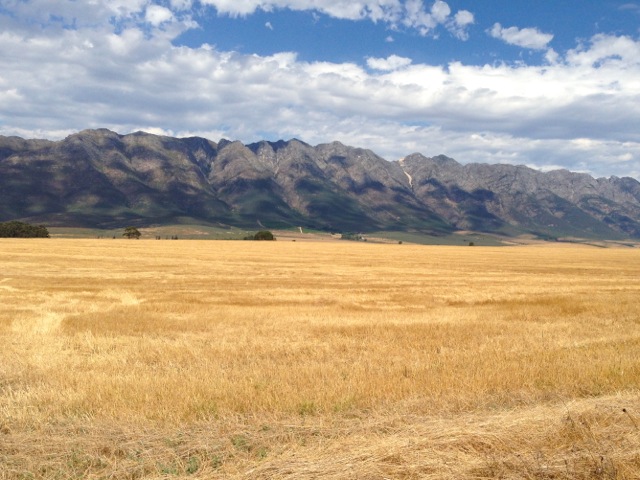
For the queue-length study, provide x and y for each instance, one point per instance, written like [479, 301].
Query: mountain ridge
[101, 178]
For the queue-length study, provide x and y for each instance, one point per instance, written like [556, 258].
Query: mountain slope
[503, 197]
[101, 178]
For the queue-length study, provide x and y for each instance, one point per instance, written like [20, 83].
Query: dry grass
[283, 360]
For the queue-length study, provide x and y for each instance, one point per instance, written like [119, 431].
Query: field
[304, 360]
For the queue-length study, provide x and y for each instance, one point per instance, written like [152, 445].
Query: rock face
[100, 178]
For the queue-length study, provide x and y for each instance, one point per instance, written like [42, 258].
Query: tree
[352, 236]
[264, 235]
[15, 229]
[132, 232]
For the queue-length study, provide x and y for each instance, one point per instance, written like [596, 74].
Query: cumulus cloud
[346, 9]
[390, 63]
[76, 13]
[426, 22]
[580, 112]
[531, 38]
[157, 15]
[606, 50]
[440, 11]
[461, 21]
[396, 13]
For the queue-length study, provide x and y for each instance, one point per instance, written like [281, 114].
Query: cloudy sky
[545, 83]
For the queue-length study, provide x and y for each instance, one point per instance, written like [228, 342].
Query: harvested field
[302, 360]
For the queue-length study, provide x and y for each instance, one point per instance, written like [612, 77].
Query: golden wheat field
[303, 360]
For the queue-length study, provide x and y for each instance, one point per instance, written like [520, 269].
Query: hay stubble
[131, 359]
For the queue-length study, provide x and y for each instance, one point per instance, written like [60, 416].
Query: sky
[544, 83]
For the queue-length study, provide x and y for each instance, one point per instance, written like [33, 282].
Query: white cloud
[606, 50]
[408, 13]
[393, 62]
[425, 22]
[440, 11]
[412, 14]
[50, 18]
[551, 56]
[157, 15]
[269, 26]
[132, 77]
[346, 9]
[76, 13]
[464, 18]
[461, 21]
[531, 38]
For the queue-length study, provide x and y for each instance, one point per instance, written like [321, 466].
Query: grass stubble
[284, 360]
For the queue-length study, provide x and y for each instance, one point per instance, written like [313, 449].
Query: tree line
[15, 229]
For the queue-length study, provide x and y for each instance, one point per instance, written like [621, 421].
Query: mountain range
[98, 178]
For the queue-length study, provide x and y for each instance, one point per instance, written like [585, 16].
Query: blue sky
[325, 38]
[548, 84]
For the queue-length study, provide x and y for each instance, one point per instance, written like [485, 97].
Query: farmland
[301, 360]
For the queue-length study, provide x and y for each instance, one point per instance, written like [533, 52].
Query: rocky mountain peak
[101, 178]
